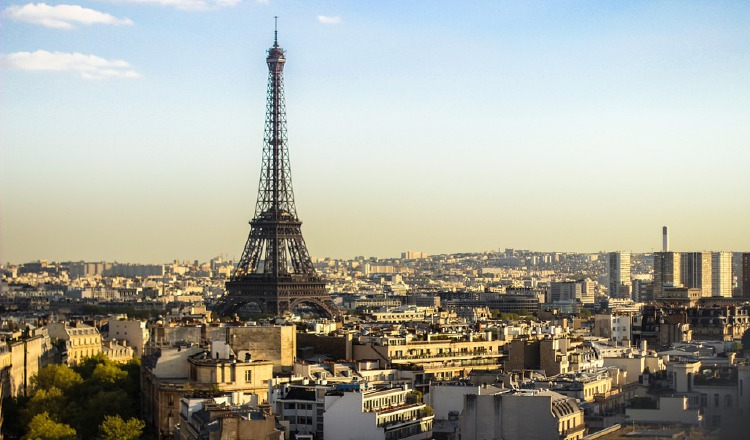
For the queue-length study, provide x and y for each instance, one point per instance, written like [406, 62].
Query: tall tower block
[620, 284]
[275, 273]
[664, 239]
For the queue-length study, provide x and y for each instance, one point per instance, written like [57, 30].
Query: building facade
[696, 271]
[619, 284]
[721, 274]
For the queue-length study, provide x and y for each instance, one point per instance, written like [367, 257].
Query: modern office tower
[721, 274]
[696, 271]
[275, 273]
[666, 272]
[664, 240]
[619, 275]
[745, 275]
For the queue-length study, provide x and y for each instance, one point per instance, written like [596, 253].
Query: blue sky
[132, 130]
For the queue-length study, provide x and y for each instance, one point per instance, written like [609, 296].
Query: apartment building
[170, 373]
[81, 340]
[521, 415]
[376, 414]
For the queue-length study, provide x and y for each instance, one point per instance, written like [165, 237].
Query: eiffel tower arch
[275, 273]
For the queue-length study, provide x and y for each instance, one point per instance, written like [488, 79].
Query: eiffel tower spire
[275, 273]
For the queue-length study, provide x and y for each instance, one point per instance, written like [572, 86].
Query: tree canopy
[42, 427]
[115, 428]
[93, 398]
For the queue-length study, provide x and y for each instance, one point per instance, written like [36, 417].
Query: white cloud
[325, 19]
[187, 4]
[61, 16]
[87, 66]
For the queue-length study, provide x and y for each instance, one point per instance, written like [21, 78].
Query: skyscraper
[619, 275]
[745, 276]
[721, 274]
[666, 272]
[696, 271]
[275, 273]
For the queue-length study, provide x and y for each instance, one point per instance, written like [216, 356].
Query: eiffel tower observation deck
[275, 273]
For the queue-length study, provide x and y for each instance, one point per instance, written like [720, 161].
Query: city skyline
[573, 126]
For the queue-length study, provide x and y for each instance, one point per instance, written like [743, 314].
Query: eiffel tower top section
[275, 194]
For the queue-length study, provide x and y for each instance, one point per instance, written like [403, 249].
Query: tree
[108, 375]
[50, 402]
[746, 340]
[115, 428]
[44, 428]
[58, 376]
[87, 366]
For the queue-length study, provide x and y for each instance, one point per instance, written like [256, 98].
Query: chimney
[665, 240]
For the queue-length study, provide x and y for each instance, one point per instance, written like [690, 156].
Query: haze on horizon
[134, 132]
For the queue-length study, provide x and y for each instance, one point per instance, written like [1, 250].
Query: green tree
[87, 366]
[58, 376]
[51, 401]
[97, 406]
[115, 428]
[108, 375]
[745, 341]
[42, 427]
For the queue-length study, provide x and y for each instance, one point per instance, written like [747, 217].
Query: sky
[132, 130]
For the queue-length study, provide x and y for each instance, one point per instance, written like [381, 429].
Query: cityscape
[278, 343]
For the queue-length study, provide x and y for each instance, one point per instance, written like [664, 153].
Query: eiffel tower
[275, 273]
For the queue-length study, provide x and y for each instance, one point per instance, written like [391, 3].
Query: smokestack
[665, 240]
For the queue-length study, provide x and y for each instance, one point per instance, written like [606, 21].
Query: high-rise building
[745, 276]
[696, 271]
[619, 275]
[666, 272]
[721, 274]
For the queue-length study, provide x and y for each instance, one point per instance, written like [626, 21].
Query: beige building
[277, 343]
[117, 351]
[439, 357]
[721, 274]
[170, 373]
[219, 419]
[81, 340]
[133, 331]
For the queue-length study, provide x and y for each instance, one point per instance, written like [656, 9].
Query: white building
[386, 414]
[519, 416]
[669, 409]
[615, 326]
[134, 332]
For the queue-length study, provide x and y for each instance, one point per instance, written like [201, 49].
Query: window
[728, 401]
[248, 376]
[716, 400]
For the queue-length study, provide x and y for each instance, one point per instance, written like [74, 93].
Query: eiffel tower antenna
[275, 31]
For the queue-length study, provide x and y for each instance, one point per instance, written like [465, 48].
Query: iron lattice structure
[275, 273]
